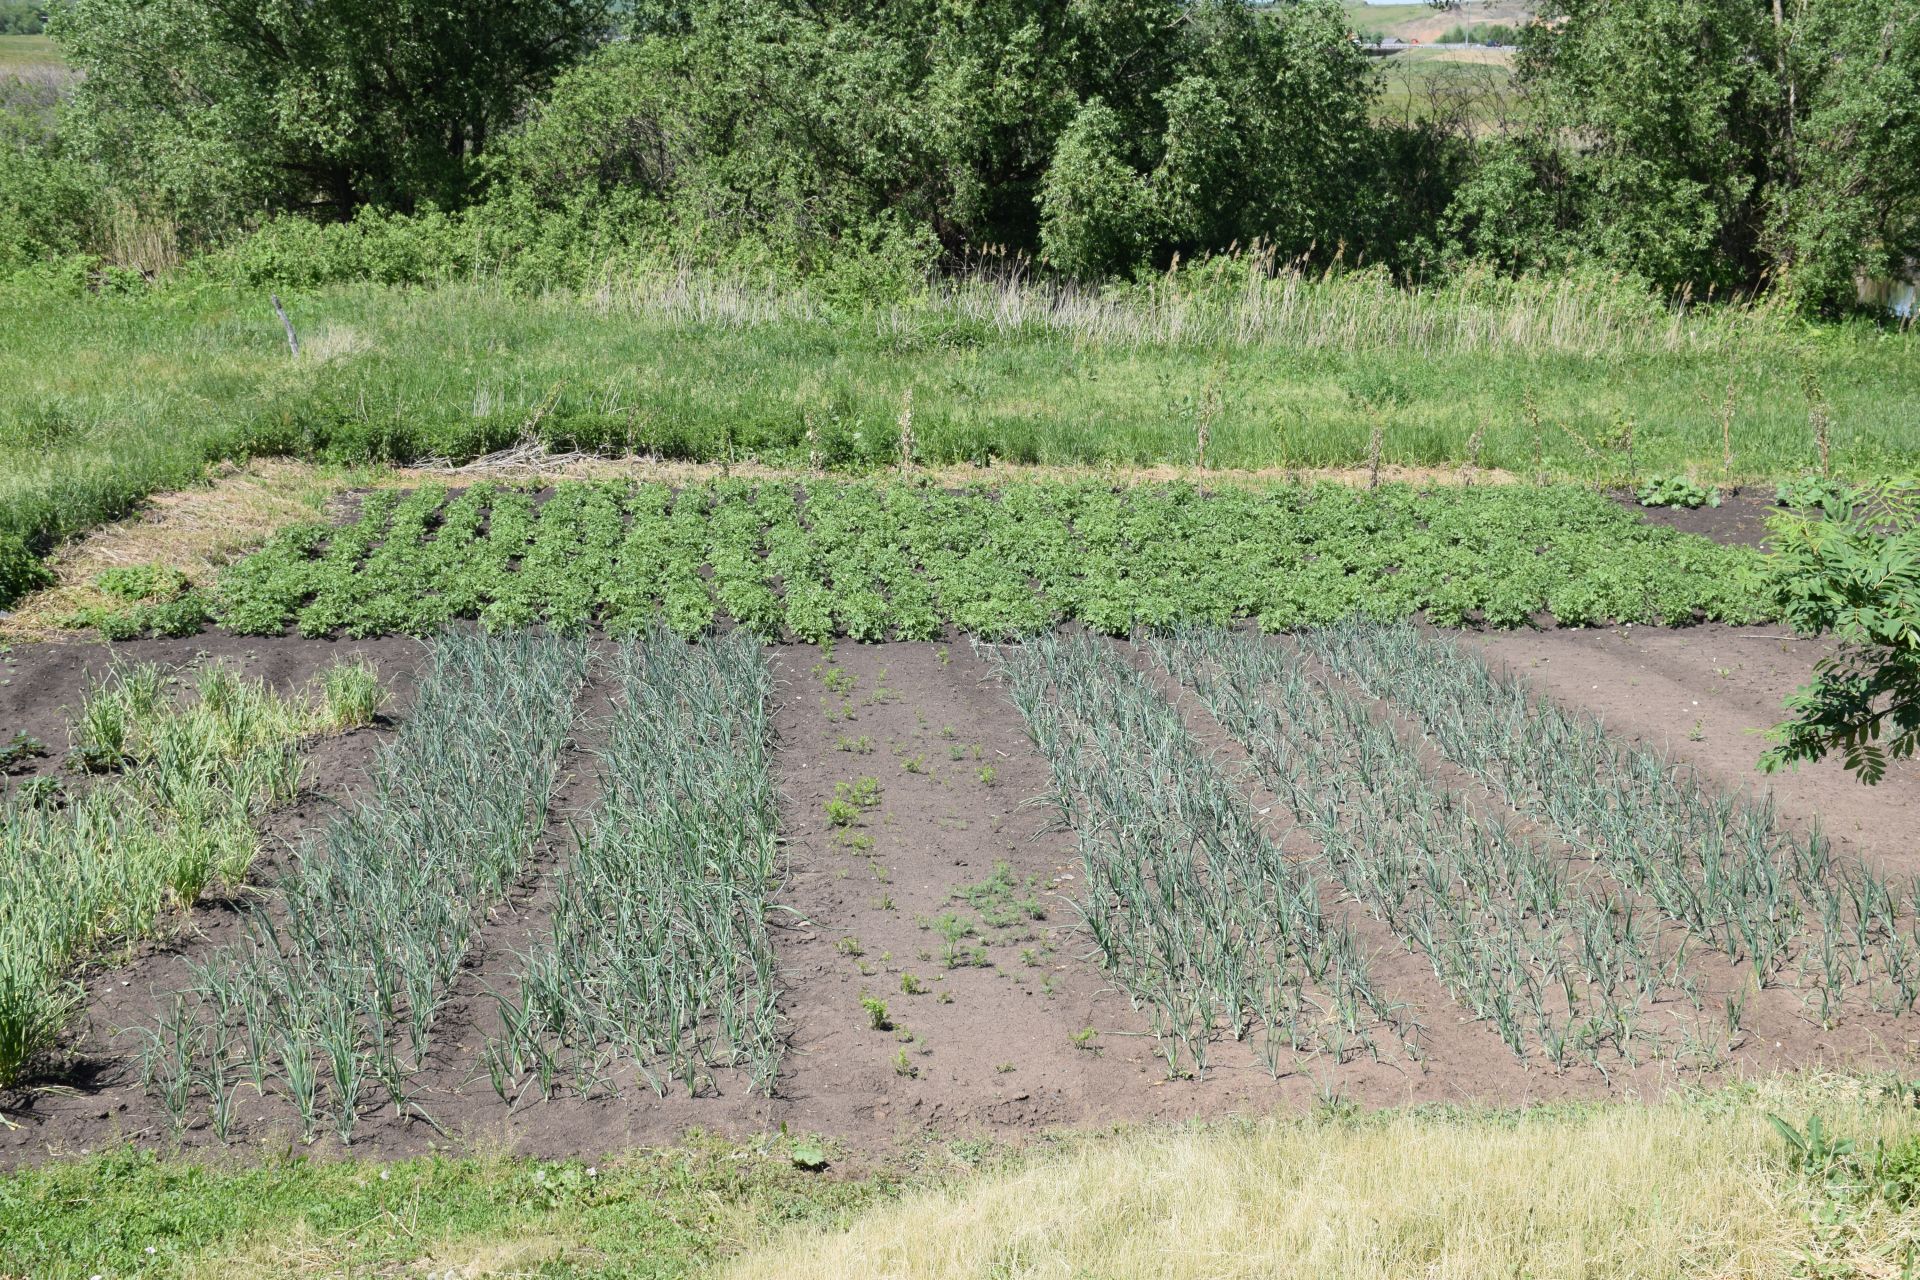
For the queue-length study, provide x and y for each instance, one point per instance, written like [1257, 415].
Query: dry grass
[1272, 302]
[194, 530]
[574, 468]
[1675, 1189]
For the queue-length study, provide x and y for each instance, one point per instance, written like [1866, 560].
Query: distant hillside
[18, 53]
[1424, 24]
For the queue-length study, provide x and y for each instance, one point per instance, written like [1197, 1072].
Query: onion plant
[1557, 964]
[658, 954]
[333, 995]
[1725, 867]
[1205, 924]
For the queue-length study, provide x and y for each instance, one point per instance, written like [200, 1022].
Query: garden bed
[942, 892]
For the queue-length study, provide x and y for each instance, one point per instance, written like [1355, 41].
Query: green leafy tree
[214, 110]
[1853, 572]
[1710, 143]
[22, 17]
[1096, 212]
[1846, 202]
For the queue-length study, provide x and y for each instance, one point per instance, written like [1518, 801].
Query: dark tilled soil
[996, 1043]
[1740, 519]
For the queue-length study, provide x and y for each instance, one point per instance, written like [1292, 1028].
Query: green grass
[104, 399]
[21, 52]
[1375, 19]
[1434, 84]
[86, 872]
[663, 1214]
[1695, 1184]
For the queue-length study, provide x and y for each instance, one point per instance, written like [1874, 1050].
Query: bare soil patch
[1740, 520]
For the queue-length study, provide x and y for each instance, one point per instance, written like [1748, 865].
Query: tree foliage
[1705, 146]
[1853, 571]
[1714, 144]
[215, 108]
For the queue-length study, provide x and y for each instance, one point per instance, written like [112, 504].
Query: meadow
[106, 398]
[27, 53]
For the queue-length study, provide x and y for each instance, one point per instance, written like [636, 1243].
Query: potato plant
[906, 560]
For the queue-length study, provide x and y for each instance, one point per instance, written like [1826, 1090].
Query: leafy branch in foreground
[1853, 572]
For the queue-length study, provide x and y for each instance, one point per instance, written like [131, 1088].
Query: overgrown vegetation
[576, 136]
[105, 400]
[905, 560]
[170, 790]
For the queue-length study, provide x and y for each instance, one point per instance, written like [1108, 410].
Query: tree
[216, 109]
[1096, 213]
[1260, 134]
[1853, 572]
[1664, 111]
[1712, 144]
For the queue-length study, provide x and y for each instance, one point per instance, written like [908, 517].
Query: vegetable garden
[1344, 855]
[871, 810]
[905, 561]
